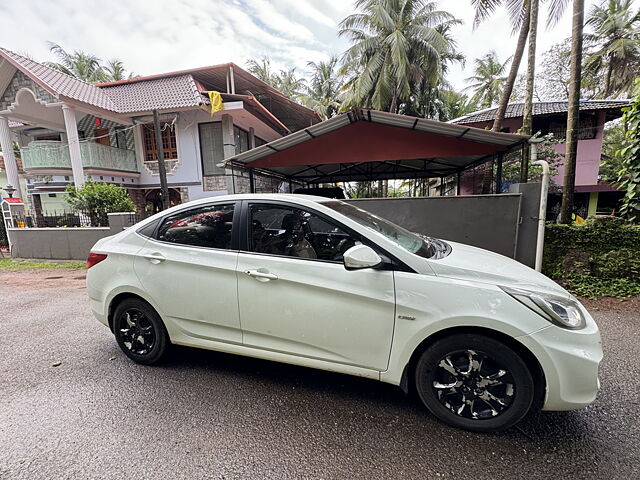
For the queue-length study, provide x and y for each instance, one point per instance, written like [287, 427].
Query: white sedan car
[321, 283]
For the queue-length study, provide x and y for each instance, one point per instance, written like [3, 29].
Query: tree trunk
[573, 115]
[527, 119]
[513, 72]
[607, 82]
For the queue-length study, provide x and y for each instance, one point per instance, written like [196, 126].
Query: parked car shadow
[258, 374]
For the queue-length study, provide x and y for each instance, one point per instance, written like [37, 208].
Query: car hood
[471, 263]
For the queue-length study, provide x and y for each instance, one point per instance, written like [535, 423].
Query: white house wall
[188, 173]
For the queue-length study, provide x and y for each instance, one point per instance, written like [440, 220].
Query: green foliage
[399, 50]
[599, 258]
[285, 81]
[629, 154]
[97, 199]
[610, 163]
[87, 67]
[613, 49]
[13, 264]
[487, 82]
[323, 94]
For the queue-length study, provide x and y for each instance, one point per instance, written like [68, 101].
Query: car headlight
[564, 312]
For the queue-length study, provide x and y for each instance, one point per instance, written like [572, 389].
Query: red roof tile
[59, 83]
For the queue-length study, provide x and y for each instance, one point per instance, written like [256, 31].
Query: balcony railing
[47, 154]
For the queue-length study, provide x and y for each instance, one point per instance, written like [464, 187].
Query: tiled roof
[159, 93]
[60, 83]
[165, 91]
[515, 110]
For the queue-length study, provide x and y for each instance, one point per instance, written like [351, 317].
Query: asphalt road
[210, 415]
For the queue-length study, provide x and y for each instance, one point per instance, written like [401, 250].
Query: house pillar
[9, 158]
[229, 148]
[71, 128]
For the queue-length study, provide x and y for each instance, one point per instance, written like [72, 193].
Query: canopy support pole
[499, 174]
[252, 182]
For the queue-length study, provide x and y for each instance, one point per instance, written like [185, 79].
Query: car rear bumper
[97, 302]
[570, 361]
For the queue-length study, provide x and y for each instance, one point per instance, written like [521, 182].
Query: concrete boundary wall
[492, 222]
[71, 243]
[55, 243]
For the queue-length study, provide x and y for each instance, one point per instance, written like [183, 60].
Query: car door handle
[154, 258]
[261, 275]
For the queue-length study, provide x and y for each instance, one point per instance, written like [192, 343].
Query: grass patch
[14, 264]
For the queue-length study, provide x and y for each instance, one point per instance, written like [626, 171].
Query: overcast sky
[155, 36]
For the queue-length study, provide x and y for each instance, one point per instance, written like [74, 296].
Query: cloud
[155, 36]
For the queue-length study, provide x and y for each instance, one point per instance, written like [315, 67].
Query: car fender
[409, 338]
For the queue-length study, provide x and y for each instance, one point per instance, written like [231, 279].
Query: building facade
[69, 131]
[592, 195]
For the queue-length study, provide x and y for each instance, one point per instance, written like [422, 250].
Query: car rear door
[188, 268]
[295, 295]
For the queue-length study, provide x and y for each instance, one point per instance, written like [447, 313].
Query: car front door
[189, 269]
[296, 296]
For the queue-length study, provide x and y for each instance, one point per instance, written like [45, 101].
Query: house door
[102, 136]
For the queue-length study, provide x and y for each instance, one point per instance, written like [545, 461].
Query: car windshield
[413, 243]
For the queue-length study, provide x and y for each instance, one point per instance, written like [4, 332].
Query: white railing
[47, 154]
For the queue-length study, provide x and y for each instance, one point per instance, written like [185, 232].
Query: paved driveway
[210, 415]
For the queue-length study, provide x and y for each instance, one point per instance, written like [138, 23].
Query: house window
[241, 139]
[169, 146]
[211, 148]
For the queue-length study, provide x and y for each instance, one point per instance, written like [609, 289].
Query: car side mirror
[361, 256]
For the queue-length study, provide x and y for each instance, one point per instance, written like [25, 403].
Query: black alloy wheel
[474, 382]
[139, 331]
[472, 385]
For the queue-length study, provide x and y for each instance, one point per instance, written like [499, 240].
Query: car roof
[260, 196]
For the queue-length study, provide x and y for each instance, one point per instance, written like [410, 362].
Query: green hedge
[599, 258]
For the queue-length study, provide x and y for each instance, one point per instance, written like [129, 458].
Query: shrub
[599, 258]
[97, 199]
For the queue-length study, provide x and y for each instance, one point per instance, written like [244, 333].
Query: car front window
[411, 242]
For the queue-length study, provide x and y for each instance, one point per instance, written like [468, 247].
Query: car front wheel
[139, 331]
[474, 382]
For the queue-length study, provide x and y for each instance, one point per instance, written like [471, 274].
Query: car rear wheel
[474, 382]
[139, 331]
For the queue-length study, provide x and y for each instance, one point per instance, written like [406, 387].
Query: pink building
[592, 195]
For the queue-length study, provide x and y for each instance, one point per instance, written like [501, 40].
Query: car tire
[474, 382]
[140, 332]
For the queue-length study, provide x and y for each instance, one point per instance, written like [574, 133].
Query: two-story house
[68, 130]
[592, 195]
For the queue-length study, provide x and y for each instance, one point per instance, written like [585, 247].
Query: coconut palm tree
[114, 70]
[519, 14]
[323, 94]
[287, 83]
[521, 21]
[573, 114]
[81, 65]
[488, 80]
[430, 99]
[87, 67]
[396, 45]
[262, 69]
[615, 45]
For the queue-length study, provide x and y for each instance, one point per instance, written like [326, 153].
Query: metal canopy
[365, 144]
